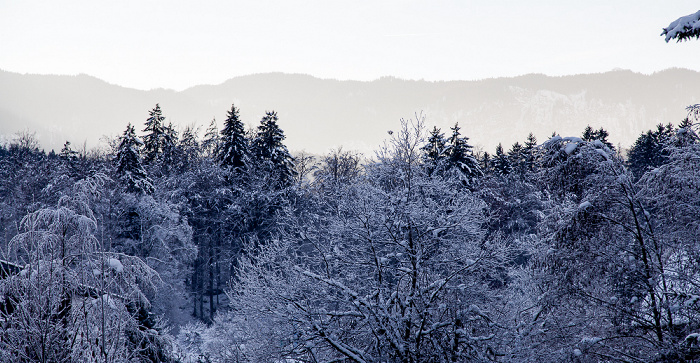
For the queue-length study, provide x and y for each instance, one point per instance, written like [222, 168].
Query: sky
[147, 44]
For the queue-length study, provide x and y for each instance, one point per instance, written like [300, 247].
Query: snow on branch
[683, 28]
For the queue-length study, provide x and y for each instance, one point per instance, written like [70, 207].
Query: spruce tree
[460, 156]
[170, 153]
[233, 145]
[70, 161]
[189, 148]
[67, 153]
[601, 135]
[685, 135]
[588, 134]
[155, 134]
[210, 144]
[500, 162]
[650, 149]
[267, 147]
[529, 152]
[129, 167]
[485, 162]
[517, 158]
[435, 150]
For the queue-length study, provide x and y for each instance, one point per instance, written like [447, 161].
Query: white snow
[573, 139]
[681, 25]
[693, 299]
[115, 264]
[570, 147]
[692, 338]
[591, 340]
[603, 153]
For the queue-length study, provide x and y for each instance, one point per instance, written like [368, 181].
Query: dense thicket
[567, 250]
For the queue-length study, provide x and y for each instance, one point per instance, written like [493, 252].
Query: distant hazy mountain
[318, 114]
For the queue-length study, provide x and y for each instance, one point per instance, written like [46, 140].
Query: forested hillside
[321, 114]
[221, 246]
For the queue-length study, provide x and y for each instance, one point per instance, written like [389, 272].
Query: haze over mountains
[319, 114]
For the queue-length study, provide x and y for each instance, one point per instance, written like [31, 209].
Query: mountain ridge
[319, 114]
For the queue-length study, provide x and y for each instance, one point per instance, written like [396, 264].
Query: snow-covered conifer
[129, 167]
[500, 162]
[233, 148]
[435, 150]
[460, 156]
[267, 147]
[155, 134]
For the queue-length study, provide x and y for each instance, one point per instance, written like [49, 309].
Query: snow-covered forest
[220, 246]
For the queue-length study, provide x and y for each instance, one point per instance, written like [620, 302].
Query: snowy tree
[530, 152]
[601, 134]
[500, 163]
[233, 147]
[170, 152]
[188, 148]
[435, 150]
[155, 135]
[305, 165]
[72, 299]
[650, 150]
[460, 156]
[683, 28]
[518, 158]
[339, 167]
[210, 144]
[128, 160]
[613, 268]
[268, 149]
[396, 271]
[67, 153]
[74, 165]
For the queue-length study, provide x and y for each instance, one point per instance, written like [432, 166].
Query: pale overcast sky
[148, 44]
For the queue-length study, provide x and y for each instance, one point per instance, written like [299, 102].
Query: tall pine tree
[155, 135]
[529, 150]
[129, 167]
[210, 144]
[233, 145]
[460, 156]
[650, 149]
[500, 162]
[435, 150]
[267, 147]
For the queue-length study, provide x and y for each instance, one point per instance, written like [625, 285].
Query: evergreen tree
[67, 153]
[155, 135]
[128, 160]
[233, 145]
[601, 134]
[460, 156]
[435, 150]
[517, 158]
[210, 144]
[500, 162]
[189, 148]
[485, 162]
[71, 163]
[649, 150]
[267, 147]
[170, 152]
[588, 133]
[529, 152]
[685, 135]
